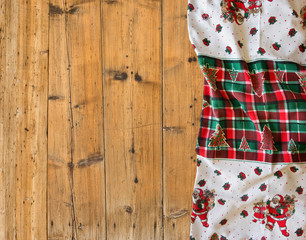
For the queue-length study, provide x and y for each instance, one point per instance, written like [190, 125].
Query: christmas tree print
[279, 75]
[210, 75]
[217, 172]
[192, 238]
[233, 74]
[257, 80]
[244, 144]
[223, 238]
[267, 140]
[205, 104]
[218, 139]
[292, 147]
[302, 80]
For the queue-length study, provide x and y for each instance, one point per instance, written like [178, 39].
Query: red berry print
[223, 221]
[240, 44]
[299, 190]
[263, 187]
[202, 183]
[272, 20]
[294, 169]
[219, 28]
[241, 176]
[228, 50]
[276, 46]
[190, 7]
[278, 174]
[199, 162]
[244, 213]
[258, 171]
[299, 232]
[253, 31]
[292, 32]
[226, 186]
[206, 41]
[244, 198]
[294, 13]
[261, 51]
[205, 16]
[302, 48]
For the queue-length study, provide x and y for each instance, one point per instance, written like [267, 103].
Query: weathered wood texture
[182, 100]
[100, 105]
[24, 85]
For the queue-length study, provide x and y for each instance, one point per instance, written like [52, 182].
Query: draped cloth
[251, 145]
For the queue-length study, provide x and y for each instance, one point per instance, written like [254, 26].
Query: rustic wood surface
[100, 110]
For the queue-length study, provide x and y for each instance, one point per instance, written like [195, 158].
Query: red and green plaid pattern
[255, 110]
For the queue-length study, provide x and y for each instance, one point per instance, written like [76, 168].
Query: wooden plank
[133, 118]
[24, 119]
[76, 189]
[182, 102]
[2, 91]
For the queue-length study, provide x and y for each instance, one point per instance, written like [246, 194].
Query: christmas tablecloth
[251, 146]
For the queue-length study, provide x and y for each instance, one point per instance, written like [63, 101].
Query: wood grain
[99, 112]
[76, 199]
[133, 118]
[182, 102]
[24, 119]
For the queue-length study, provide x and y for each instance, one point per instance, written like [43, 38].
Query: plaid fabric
[251, 100]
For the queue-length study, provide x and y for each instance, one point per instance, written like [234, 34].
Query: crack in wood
[111, 1]
[52, 97]
[54, 10]
[89, 161]
[178, 214]
[174, 129]
[57, 10]
[72, 144]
